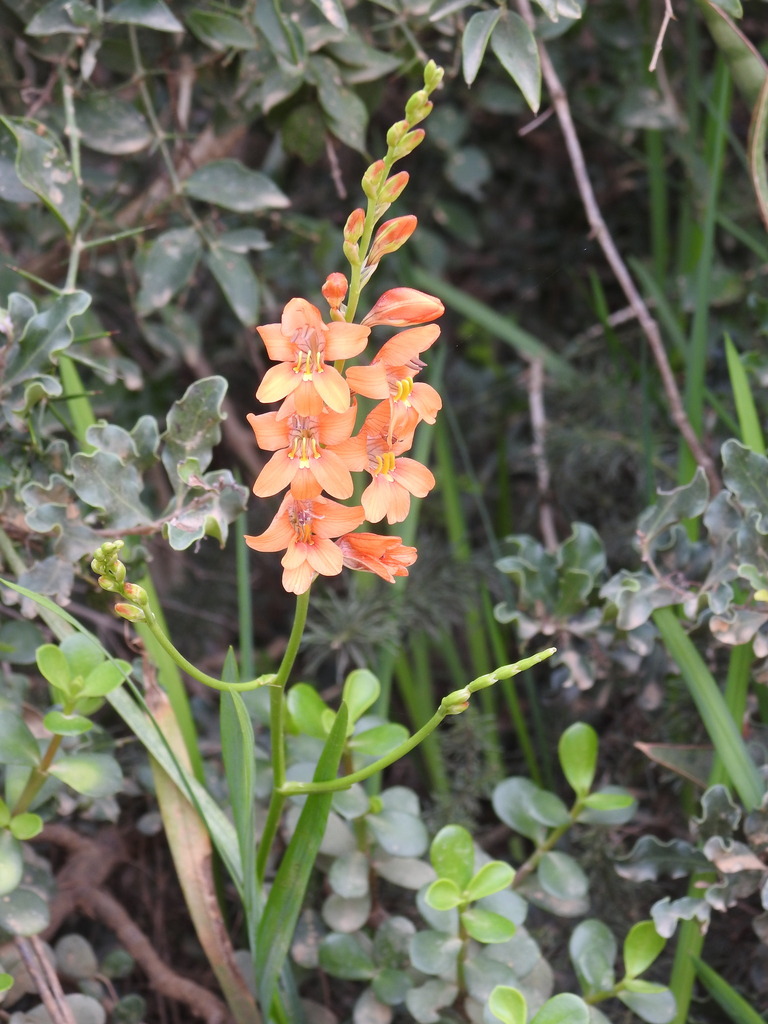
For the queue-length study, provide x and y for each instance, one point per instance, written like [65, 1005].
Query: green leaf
[42, 166]
[23, 912]
[345, 956]
[193, 426]
[642, 946]
[487, 926]
[6, 982]
[229, 183]
[508, 1004]
[745, 473]
[736, 1007]
[749, 421]
[286, 896]
[511, 802]
[515, 46]
[11, 863]
[475, 40]
[577, 752]
[732, 8]
[653, 1007]
[105, 482]
[345, 113]
[608, 800]
[686, 502]
[491, 878]
[214, 501]
[221, 31]
[17, 744]
[63, 16]
[110, 125]
[333, 11]
[26, 826]
[433, 952]
[53, 665]
[443, 894]
[349, 876]
[424, 1002]
[307, 710]
[83, 654]
[237, 280]
[146, 13]
[563, 1009]
[399, 833]
[592, 949]
[168, 266]
[361, 691]
[66, 725]
[561, 876]
[243, 240]
[93, 775]
[378, 740]
[452, 854]
[19, 640]
[105, 678]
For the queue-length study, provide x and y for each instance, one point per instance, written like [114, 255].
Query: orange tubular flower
[402, 307]
[392, 369]
[388, 433]
[304, 452]
[302, 343]
[386, 556]
[390, 236]
[304, 527]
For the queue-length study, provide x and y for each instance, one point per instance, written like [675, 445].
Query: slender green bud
[107, 584]
[393, 187]
[433, 76]
[130, 612]
[352, 252]
[418, 107]
[408, 143]
[456, 702]
[133, 592]
[397, 133]
[373, 178]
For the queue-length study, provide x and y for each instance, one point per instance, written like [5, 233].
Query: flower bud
[397, 133]
[433, 76]
[418, 107]
[355, 225]
[133, 592]
[456, 702]
[400, 307]
[392, 187]
[130, 612]
[373, 178]
[107, 584]
[390, 236]
[408, 143]
[335, 289]
[352, 251]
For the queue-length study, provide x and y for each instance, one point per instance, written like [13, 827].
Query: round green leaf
[75, 957]
[307, 708]
[94, 775]
[443, 894]
[345, 956]
[452, 854]
[398, 833]
[17, 744]
[610, 805]
[563, 1009]
[11, 863]
[508, 1005]
[514, 44]
[110, 125]
[561, 876]
[105, 678]
[23, 912]
[6, 981]
[491, 878]
[348, 876]
[26, 826]
[221, 31]
[361, 691]
[653, 1007]
[346, 915]
[577, 751]
[485, 926]
[83, 653]
[391, 986]
[230, 184]
[641, 947]
[592, 949]
[434, 952]
[53, 666]
[66, 725]
[378, 740]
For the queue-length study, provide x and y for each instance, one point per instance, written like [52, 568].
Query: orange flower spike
[388, 432]
[304, 346]
[387, 557]
[403, 307]
[304, 527]
[304, 455]
[390, 236]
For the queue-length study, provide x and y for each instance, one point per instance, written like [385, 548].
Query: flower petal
[416, 478]
[278, 347]
[370, 381]
[277, 474]
[345, 340]
[332, 388]
[271, 433]
[278, 382]
[406, 345]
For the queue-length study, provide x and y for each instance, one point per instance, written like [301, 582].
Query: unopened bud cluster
[112, 572]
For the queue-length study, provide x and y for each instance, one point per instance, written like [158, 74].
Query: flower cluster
[313, 440]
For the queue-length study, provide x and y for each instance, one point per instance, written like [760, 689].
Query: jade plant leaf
[93, 775]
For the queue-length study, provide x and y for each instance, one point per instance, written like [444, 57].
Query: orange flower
[401, 307]
[334, 290]
[390, 236]
[386, 556]
[304, 527]
[392, 369]
[302, 344]
[388, 432]
[304, 452]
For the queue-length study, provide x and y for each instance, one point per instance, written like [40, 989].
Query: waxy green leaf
[232, 185]
[42, 166]
[475, 40]
[515, 46]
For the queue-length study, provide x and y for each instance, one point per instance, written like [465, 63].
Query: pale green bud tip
[135, 593]
[107, 584]
[433, 76]
[456, 702]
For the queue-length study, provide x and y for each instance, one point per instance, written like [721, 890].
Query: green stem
[549, 843]
[37, 777]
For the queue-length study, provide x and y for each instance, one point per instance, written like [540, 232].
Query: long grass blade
[738, 1009]
[749, 421]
